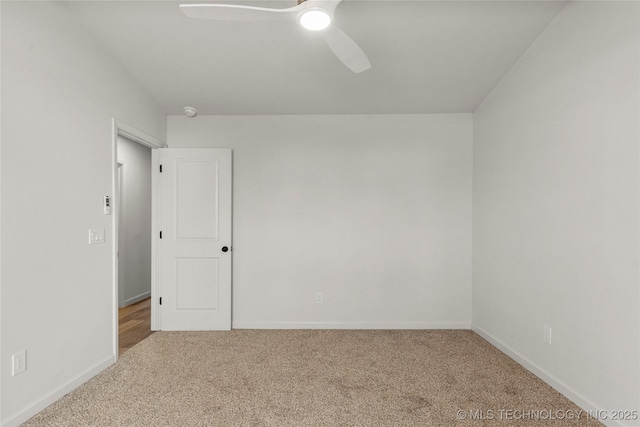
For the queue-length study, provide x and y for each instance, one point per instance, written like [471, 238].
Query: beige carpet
[313, 378]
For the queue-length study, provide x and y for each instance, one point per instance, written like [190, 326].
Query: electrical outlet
[546, 334]
[18, 363]
[319, 298]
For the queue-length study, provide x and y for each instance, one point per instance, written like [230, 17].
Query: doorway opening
[133, 224]
[134, 242]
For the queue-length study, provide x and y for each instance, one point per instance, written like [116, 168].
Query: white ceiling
[427, 56]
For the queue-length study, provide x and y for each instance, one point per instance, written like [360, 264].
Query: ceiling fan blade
[346, 50]
[231, 12]
[328, 5]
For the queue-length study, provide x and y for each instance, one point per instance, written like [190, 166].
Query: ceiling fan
[314, 15]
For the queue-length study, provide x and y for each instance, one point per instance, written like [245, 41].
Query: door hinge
[161, 234]
[160, 168]
[160, 300]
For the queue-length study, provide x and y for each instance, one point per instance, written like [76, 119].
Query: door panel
[198, 283]
[197, 199]
[195, 219]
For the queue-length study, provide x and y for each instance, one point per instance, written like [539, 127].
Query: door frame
[125, 130]
[117, 212]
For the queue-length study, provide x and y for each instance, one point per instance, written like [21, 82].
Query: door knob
[225, 249]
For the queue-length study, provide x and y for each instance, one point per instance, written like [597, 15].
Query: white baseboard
[41, 404]
[137, 298]
[240, 324]
[558, 385]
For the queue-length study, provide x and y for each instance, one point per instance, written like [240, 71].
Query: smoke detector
[190, 111]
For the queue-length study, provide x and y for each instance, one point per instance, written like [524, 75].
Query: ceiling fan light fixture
[314, 15]
[314, 19]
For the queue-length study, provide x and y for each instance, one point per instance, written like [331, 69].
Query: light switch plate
[96, 236]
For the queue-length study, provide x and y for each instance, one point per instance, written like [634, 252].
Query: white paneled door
[194, 250]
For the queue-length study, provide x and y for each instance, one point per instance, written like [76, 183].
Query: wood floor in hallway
[134, 324]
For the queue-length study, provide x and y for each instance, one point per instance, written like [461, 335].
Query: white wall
[59, 92]
[134, 243]
[373, 211]
[555, 208]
